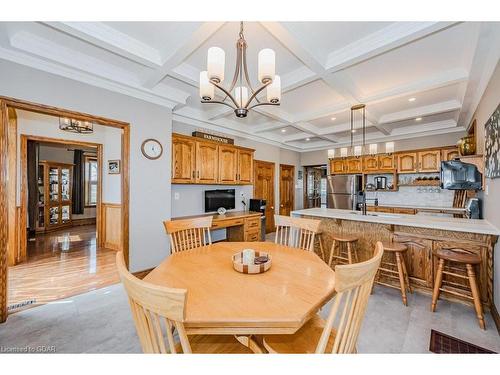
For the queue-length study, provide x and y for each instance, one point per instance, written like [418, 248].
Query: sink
[374, 214]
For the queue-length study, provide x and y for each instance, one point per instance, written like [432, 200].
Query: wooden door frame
[7, 103]
[24, 184]
[293, 185]
[270, 163]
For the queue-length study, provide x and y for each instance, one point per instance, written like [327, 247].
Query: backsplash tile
[431, 196]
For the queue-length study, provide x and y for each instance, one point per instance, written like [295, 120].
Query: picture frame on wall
[492, 145]
[113, 166]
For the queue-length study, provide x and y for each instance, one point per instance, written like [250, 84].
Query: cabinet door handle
[194, 174]
[198, 174]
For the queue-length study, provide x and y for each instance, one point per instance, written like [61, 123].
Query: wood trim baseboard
[84, 221]
[496, 316]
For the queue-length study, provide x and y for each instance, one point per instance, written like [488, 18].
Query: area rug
[445, 344]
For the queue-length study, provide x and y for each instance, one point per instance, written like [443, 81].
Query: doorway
[263, 188]
[315, 186]
[287, 189]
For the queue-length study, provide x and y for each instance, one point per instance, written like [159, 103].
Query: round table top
[222, 300]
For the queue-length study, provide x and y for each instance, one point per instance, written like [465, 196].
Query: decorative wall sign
[211, 137]
[113, 166]
[492, 145]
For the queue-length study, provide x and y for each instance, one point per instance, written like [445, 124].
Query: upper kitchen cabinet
[198, 161]
[207, 163]
[429, 161]
[370, 163]
[407, 162]
[354, 165]
[245, 166]
[449, 154]
[337, 166]
[386, 162]
[183, 160]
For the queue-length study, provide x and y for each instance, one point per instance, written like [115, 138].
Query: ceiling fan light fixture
[216, 59]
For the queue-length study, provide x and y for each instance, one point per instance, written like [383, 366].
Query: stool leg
[321, 247]
[437, 284]
[401, 278]
[407, 278]
[349, 252]
[332, 250]
[475, 295]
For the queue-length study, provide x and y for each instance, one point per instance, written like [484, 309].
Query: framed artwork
[113, 166]
[492, 145]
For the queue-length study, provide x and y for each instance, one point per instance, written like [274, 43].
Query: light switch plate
[177, 196]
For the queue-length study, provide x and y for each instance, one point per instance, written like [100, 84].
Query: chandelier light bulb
[215, 64]
[241, 95]
[274, 90]
[266, 65]
[207, 90]
[389, 147]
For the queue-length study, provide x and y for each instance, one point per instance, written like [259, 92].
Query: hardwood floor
[61, 264]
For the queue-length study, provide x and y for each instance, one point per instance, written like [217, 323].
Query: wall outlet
[177, 196]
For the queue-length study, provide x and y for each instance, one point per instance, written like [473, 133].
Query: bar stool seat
[461, 257]
[346, 250]
[396, 269]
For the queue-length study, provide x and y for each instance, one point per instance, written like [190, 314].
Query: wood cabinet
[245, 166]
[207, 163]
[429, 161]
[386, 162]
[419, 260]
[370, 163]
[337, 166]
[407, 162]
[183, 160]
[449, 154]
[354, 165]
[197, 161]
[378, 163]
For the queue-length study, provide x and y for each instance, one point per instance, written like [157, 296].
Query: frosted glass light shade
[215, 63]
[266, 65]
[241, 95]
[331, 153]
[373, 148]
[274, 90]
[343, 152]
[358, 150]
[207, 90]
[389, 147]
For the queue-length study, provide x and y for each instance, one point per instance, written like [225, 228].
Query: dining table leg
[252, 343]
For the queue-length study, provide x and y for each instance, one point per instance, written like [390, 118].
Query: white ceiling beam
[382, 41]
[112, 40]
[269, 127]
[204, 32]
[428, 110]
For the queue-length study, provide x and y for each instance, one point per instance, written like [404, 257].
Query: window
[91, 175]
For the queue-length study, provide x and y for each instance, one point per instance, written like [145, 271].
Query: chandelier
[239, 99]
[75, 126]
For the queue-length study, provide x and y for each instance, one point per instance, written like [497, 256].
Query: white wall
[491, 201]
[149, 180]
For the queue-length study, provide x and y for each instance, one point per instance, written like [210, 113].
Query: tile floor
[100, 322]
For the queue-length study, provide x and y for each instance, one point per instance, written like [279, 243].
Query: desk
[240, 225]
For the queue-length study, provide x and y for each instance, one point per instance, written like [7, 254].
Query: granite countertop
[419, 207]
[431, 222]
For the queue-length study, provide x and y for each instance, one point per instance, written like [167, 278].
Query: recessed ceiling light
[333, 118]
[412, 99]
[283, 130]
[308, 139]
[418, 119]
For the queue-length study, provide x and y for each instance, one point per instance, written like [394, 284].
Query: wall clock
[152, 149]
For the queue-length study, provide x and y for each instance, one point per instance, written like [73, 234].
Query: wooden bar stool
[461, 257]
[318, 240]
[388, 269]
[346, 250]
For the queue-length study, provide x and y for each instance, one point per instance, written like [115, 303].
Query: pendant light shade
[389, 147]
[358, 150]
[215, 64]
[274, 90]
[207, 90]
[373, 148]
[343, 152]
[266, 65]
[241, 95]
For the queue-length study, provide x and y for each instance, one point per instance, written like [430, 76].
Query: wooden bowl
[251, 268]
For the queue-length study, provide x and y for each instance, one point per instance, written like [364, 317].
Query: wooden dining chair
[157, 310]
[189, 233]
[296, 232]
[353, 283]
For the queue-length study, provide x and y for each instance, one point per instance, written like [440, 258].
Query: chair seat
[303, 341]
[344, 238]
[394, 246]
[215, 344]
[458, 256]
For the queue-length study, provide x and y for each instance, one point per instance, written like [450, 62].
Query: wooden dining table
[221, 300]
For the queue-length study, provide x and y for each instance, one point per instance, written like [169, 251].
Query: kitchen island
[425, 234]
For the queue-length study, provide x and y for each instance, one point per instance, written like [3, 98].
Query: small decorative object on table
[251, 262]
[221, 211]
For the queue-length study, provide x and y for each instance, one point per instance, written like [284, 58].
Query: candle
[248, 256]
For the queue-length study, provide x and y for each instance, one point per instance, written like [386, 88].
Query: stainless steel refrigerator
[343, 191]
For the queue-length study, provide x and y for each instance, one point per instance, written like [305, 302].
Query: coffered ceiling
[416, 78]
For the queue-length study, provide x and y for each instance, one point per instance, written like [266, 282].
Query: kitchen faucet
[363, 202]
